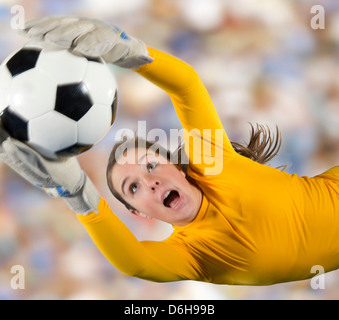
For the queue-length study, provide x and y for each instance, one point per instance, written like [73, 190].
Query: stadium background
[261, 62]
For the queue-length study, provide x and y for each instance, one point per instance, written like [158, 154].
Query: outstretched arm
[150, 260]
[206, 142]
[181, 82]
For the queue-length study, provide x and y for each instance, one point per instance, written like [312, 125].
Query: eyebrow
[123, 185]
[125, 180]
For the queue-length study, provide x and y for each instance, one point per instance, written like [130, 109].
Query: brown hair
[262, 147]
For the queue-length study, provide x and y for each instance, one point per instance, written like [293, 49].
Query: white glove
[92, 38]
[58, 178]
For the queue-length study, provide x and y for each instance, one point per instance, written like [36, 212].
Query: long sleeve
[180, 81]
[151, 260]
[206, 142]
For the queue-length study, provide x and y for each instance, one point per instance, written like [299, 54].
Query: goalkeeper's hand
[58, 178]
[91, 38]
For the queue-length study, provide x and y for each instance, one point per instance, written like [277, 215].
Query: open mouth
[171, 198]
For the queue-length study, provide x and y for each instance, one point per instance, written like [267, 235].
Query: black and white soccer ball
[58, 103]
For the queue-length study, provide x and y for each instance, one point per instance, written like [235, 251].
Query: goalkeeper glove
[58, 178]
[91, 38]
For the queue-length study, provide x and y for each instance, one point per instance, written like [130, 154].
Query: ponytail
[263, 145]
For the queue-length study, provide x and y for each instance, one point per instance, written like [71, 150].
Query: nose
[151, 182]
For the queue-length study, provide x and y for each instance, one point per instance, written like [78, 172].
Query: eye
[151, 166]
[133, 188]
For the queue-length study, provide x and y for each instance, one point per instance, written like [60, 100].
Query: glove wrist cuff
[86, 200]
[136, 54]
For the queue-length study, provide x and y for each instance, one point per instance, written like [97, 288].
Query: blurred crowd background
[261, 61]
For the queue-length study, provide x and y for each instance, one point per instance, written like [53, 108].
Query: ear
[139, 214]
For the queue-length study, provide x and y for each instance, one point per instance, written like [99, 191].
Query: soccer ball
[58, 103]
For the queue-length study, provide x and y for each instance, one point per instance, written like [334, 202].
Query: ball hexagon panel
[75, 149]
[73, 100]
[14, 125]
[95, 124]
[96, 59]
[114, 106]
[32, 94]
[62, 66]
[5, 81]
[23, 60]
[100, 82]
[52, 132]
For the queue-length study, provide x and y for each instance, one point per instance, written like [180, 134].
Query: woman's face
[156, 188]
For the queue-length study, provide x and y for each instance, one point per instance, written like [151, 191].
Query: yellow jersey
[256, 225]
